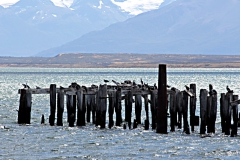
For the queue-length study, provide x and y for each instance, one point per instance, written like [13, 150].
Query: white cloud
[138, 6]
[7, 3]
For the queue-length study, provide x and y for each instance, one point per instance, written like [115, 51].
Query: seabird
[229, 90]
[187, 88]
[210, 87]
[84, 87]
[115, 82]
[62, 87]
[173, 89]
[141, 81]
[168, 86]
[38, 87]
[155, 86]
[25, 86]
[106, 81]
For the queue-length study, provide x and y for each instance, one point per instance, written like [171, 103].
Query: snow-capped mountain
[181, 27]
[30, 26]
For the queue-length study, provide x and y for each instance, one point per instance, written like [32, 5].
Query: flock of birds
[128, 83]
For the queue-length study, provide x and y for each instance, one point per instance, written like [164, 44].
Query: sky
[133, 6]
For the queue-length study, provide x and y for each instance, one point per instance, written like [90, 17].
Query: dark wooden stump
[153, 108]
[52, 104]
[138, 108]
[179, 106]
[235, 117]
[60, 107]
[112, 101]
[118, 108]
[173, 110]
[203, 110]
[70, 112]
[129, 107]
[25, 105]
[162, 100]
[80, 108]
[193, 100]
[102, 104]
[185, 113]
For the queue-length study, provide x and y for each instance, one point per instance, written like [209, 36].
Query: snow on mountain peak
[63, 3]
[136, 7]
[7, 3]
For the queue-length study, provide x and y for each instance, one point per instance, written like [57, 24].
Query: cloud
[138, 6]
[7, 3]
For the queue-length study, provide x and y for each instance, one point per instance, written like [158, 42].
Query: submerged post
[162, 100]
[60, 107]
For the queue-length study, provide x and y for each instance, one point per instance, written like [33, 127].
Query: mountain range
[30, 26]
[181, 27]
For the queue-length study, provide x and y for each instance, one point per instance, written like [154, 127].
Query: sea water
[38, 141]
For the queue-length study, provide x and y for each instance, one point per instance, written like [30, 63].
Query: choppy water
[36, 141]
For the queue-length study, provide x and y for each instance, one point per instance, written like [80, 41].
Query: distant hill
[182, 27]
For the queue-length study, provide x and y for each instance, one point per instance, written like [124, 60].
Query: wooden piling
[185, 113]
[153, 108]
[70, 112]
[203, 110]
[88, 103]
[162, 100]
[193, 100]
[179, 106]
[173, 110]
[228, 99]
[60, 107]
[112, 101]
[129, 107]
[223, 111]
[118, 108]
[145, 97]
[138, 107]
[80, 109]
[102, 104]
[25, 105]
[52, 104]
[235, 117]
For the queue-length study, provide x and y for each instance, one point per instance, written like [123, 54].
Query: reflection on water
[36, 141]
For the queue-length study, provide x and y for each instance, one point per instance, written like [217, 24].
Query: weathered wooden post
[80, 108]
[162, 100]
[212, 113]
[179, 106]
[102, 104]
[52, 104]
[70, 112]
[185, 113]
[203, 110]
[173, 109]
[60, 107]
[88, 102]
[193, 100]
[112, 101]
[118, 108]
[138, 107]
[146, 122]
[228, 99]
[153, 108]
[235, 117]
[25, 105]
[93, 107]
[129, 104]
[223, 111]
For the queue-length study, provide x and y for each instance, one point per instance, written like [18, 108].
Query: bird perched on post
[106, 81]
[211, 90]
[26, 86]
[187, 88]
[229, 90]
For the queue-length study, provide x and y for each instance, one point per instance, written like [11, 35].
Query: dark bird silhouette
[211, 90]
[134, 83]
[229, 90]
[168, 86]
[106, 81]
[77, 87]
[38, 87]
[173, 89]
[187, 88]
[210, 87]
[115, 82]
[94, 86]
[42, 119]
[141, 81]
[26, 86]
[155, 86]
